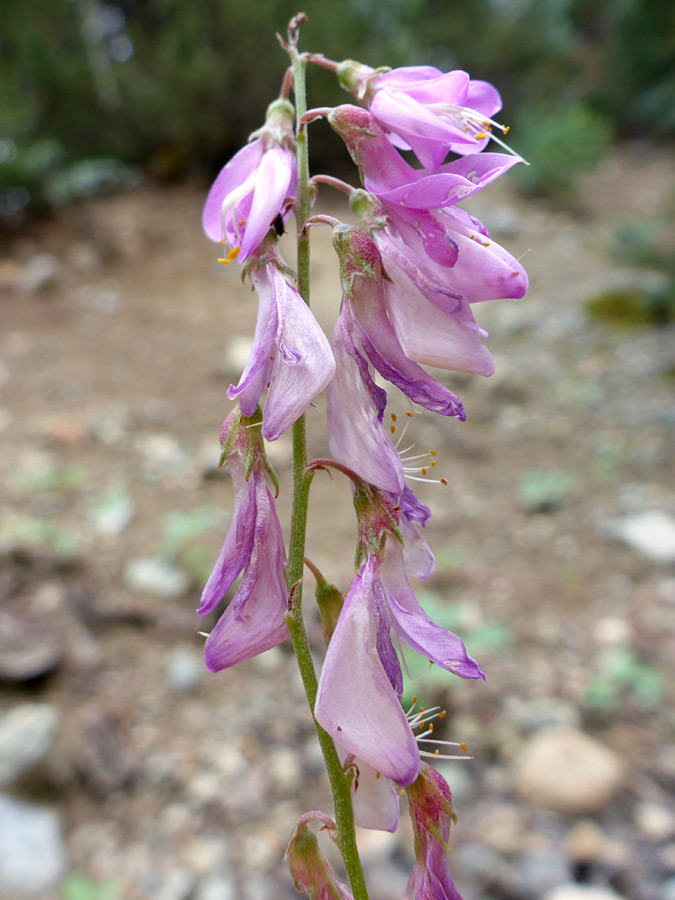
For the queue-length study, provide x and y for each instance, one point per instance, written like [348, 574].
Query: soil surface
[120, 335]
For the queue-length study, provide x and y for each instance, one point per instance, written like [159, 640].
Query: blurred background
[127, 772]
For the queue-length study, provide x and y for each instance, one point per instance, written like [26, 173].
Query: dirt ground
[114, 364]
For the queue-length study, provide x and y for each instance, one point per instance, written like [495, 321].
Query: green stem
[302, 478]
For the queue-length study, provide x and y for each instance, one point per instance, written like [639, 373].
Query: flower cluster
[410, 274]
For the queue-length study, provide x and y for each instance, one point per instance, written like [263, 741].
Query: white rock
[217, 889]
[32, 853]
[150, 575]
[237, 353]
[651, 534]
[27, 733]
[39, 273]
[581, 892]
[567, 771]
[655, 821]
[179, 884]
[185, 669]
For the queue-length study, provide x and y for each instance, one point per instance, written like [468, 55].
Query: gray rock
[185, 669]
[543, 870]
[32, 853]
[154, 576]
[27, 733]
[669, 889]
[651, 534]
[567, 771]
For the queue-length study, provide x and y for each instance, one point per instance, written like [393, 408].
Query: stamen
[426, 717]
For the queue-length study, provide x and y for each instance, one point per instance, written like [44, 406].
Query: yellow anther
[441, 714]
[393, 417]
[437, 752]
[421, 709]
[377, 775]
[433, 453]
[472, 237]
[271, 359]
[409, 414]
[225, 262]
[243, 222]
[486, 123]
[233, 253]
[506, 129]
[431, 726]
[402, 792]
[480, 135]
[463, 746]
[424, 471]
[433, 463]
[415, 699]
[392, 429]
[485, 243]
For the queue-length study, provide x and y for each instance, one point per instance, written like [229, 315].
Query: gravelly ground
[176, 784]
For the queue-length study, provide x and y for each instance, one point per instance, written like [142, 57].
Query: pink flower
[426, 110]
[254, 546]
[291, 356]
[358, 698]
[256, 185]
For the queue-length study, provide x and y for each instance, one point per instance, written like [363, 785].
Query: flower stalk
[302, 478]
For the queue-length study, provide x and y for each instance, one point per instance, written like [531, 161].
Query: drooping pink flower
[291, 356]
[255, 186]
[361, 682]
[426, 110]
[254, 619]
[407, 316]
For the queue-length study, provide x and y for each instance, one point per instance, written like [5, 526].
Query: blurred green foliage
[176, 87]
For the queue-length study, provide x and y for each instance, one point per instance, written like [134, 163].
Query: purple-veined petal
[356, 703]
[451, 183]
[380, 343]
[242, 165]
[254, 620]
[415, 627]
[419, 560]
[303, 361]
[256, 375]
[271, 188]
[238, 544]
[405, 76]
[374, 799]
[484, 269]
[428, 334]
[356, 436]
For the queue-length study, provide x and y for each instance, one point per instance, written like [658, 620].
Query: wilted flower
[257, 185]
[254, 546]
[311, 872]
[291, 355]
[426, 110]
[431, 813]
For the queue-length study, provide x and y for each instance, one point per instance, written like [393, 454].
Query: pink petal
[356, 703]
